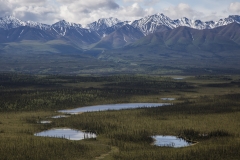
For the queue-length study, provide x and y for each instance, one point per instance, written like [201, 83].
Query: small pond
[170, 141]
[45, 122]
[59, 116]
[168, 99]
[66, 133]
[178, 78]
[112, 107]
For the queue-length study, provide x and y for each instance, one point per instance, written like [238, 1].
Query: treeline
[44, 100]
[153, 84]
[204, 105]
[30, 93]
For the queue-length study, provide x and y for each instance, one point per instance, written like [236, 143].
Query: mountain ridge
[231, 31]
[146, 24]
[100, 33]
[31, 50]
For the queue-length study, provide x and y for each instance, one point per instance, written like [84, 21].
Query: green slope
[27, 46]
[183, 47]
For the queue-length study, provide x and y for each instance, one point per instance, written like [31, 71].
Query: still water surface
[59, 116]
[66, 133]
[45, 122]
[112, 107]
[168, 99]
[170, 141]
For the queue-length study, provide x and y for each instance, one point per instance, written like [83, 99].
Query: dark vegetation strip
[31, 93]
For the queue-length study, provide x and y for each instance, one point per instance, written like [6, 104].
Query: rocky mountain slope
[98, 31]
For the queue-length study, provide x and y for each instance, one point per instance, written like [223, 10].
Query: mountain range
[151, 39]
[15, 30]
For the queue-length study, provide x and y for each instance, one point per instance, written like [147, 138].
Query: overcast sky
[87, 11]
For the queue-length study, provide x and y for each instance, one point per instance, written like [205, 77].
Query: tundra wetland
[204, 110]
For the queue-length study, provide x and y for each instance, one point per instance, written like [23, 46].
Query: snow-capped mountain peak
[109, 21]
[66, 24]
[226, 21]
[37, 25]
[197, 24]
[103, 23]
[236, 18]
[62, 27]
[9, 22]
[103, 26]
[149, 24]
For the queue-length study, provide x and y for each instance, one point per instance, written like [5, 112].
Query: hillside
[119, 47]
[183, 47]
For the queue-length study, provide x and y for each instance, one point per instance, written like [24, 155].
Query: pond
[66, 133]
[112, 107]
[168, 99]
[45, 122]
[59, 116]
[170, 141]
[178, 78]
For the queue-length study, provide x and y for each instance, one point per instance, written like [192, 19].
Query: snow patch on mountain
[65, 24]
[103, 23]
[9, 22]
[105, 26]
[62, 27]
[37, 25]
[151, 23]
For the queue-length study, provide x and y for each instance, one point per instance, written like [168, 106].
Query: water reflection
[45, 122]
[168, 99]
[112, 107]
[59, 116]
[66, 133]
[170, 141]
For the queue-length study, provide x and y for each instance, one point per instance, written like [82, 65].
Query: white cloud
[135, 10]
[5, 7]
[89, 4]
[87, 12]
[234, 7]
[133, 1]
[34, 10]
[151, 2]
[84, 12]
[181, 10]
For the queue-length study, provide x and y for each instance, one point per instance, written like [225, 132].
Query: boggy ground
[206, 110]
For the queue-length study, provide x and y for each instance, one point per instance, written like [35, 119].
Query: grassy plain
[204, 105]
